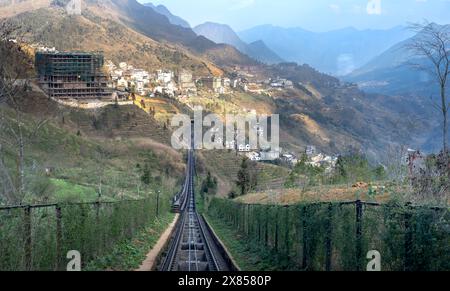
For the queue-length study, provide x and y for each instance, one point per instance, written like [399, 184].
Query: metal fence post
[259, 224]
[97, 211]
[157, 203]
[329, 238]
[276, 228]
[27, 238]
[359, 218]
[58, 238]
[408, 261]
[286, 234]
[266, 231]
[305, 238]
[248, 219]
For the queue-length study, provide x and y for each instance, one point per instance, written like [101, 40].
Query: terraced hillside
[225, 166]
[72, 158]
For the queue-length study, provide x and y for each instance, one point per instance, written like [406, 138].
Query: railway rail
[193, 246]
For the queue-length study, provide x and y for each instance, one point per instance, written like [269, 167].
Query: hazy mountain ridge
[392, 72]
[337, 52]
[222, 33]
[176, 20]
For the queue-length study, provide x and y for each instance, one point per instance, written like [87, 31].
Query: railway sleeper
[192, 246]
[194, 266]
[199, 255]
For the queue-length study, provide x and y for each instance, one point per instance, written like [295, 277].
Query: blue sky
[316, 15]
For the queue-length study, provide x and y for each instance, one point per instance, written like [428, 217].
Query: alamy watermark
[374, 264]
[74, 264]
[243, 133]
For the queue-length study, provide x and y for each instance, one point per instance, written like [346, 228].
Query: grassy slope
[129, 254]
[79, 161]
[225, 166]
[247, 256]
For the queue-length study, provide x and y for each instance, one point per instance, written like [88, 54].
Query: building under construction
[74, 75]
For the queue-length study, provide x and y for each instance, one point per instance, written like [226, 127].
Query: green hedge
[329, 236]
[38, 238]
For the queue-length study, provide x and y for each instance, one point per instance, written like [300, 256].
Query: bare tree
[432, 43]
[14, 86]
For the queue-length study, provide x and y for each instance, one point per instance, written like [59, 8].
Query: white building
[122, 83]
[164, 77]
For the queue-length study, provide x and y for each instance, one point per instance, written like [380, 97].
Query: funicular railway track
[193, 246]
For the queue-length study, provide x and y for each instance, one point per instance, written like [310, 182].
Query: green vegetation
[61, 166]
[248, 257]
[325, 236]
[67, 191]
[128, 255]
[245, 180]
[39, 238]
[302, 169]
[356, 167]
[209, 185]
[101, 191]
[349, 169]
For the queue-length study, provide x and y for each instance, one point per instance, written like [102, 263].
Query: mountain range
[394, 72]
[222, 33]
[337, 52]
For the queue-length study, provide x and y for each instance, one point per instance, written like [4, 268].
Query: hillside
[146, 38]
[223, 34]
[73, 158]
[392, 72]
[9, 9]
[319, 110]
[158, 27]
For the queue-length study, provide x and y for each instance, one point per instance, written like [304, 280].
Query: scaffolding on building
[74, 75]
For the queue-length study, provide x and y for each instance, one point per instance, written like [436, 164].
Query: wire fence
[338, 236]
[38, 237]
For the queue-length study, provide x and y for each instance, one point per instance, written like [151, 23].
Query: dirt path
[150, 262]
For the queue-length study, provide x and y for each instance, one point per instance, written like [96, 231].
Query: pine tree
[244, 179]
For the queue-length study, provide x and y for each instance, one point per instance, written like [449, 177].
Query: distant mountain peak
[223, 33]
[163, 10]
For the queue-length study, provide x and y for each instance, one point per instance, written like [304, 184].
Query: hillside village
[183, 84]
[127, 84]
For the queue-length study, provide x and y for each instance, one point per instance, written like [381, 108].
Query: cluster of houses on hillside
[249, 79]
[314, 158]
[182, 84]
[123, 78]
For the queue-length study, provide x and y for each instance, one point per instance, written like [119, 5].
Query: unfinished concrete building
[74, 75]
